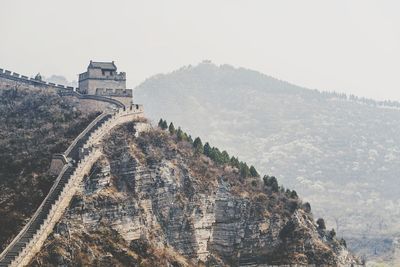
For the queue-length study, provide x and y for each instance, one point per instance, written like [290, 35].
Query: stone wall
[10, 79]
[90, 85]
[114, 92]
[94, 151]
[113, 89]
[97, 78]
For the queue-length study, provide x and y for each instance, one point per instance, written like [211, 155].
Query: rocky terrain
[332, 148]
[34, 124]
[154, 200]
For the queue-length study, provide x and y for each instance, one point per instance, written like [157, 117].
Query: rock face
[152, 201]
[334, 150]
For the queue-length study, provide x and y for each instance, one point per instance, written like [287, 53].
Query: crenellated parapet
[121, 76]
[10, 79]
[114, 92]
[103, 84]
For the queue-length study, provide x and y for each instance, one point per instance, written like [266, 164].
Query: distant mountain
[342, 153]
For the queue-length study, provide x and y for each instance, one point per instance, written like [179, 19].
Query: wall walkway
[80, 156]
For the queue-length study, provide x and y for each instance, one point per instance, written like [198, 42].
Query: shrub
[271, 182]
[162, 124]
[321, 224]
[332, 234]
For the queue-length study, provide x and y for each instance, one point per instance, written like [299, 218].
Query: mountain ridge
[333, 148]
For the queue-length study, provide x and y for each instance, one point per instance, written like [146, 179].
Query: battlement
[102, 78]
[99, 75]
[110, 91]
[9, 78]
[114, 92]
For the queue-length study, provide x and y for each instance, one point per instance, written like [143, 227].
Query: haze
[347, 46]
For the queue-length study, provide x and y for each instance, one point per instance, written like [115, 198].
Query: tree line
[218, 156]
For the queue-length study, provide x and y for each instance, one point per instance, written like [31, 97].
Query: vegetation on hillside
[275, 199]
[333, 148]
[223, 158]
[213, 153]
[249, 219]
[34, 124]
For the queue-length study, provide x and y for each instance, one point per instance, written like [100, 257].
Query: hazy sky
[348, 46]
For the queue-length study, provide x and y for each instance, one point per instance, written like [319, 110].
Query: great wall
[70, 166]
[7, 77]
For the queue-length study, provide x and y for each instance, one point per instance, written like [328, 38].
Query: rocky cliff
[332, 148]
[152, 200]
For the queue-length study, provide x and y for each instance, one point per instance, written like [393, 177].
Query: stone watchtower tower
[102, 78]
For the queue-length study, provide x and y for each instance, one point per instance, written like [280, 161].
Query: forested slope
[34, 124]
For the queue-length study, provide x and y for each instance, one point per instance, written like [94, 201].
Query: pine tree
[160, 123]
[164, 125]
[253, 171]
[332, 234]
[179, 134]
[271, 181]
[198, 145]
[215, 155]
[293, 194]
[321, 224]
[244, 170]
[207, 149]
[225, 157]
[171, 128]
[185, 136]
[235, 162]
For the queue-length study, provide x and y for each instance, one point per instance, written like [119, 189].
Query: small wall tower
[102, 78]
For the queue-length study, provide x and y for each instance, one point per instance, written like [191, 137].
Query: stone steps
[80, 150]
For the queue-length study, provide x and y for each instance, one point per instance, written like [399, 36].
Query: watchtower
[102, 78]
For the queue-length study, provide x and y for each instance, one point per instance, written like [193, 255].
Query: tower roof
[102, 65]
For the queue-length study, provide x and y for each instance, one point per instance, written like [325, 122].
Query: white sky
[343, 45]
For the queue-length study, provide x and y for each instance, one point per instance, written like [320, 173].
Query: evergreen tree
[244, 170]
[332, 233]
[179, 134]
[235, 162]
[207, 149]
[225, 157]
[164, 125]
[198, 145]
[171, 128]
[271, 182]
[185, 136]
[321, 224]
[215, 155]
[160, 123]
[253, 171]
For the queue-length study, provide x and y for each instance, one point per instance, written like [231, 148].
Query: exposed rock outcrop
[152, 201]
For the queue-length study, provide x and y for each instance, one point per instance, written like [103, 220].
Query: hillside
[334, 150]
[34, 124]
[157, 200]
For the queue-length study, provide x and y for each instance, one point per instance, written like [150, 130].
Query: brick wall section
[10, 79]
